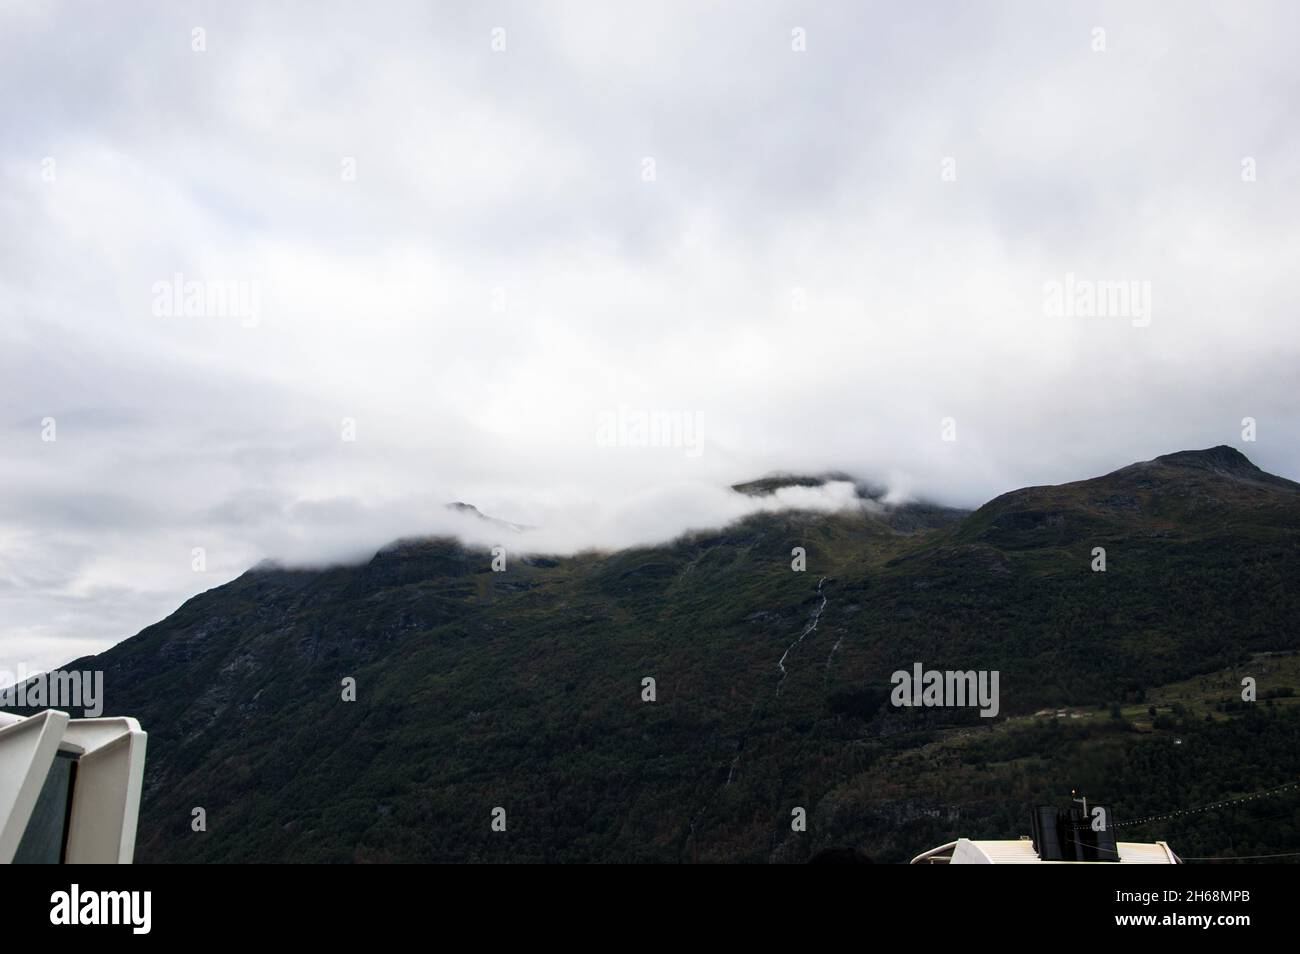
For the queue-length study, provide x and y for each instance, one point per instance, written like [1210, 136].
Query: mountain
[523, 689]
[470, 510]
[906, 517]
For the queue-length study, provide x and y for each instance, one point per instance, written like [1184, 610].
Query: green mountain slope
[523, 689]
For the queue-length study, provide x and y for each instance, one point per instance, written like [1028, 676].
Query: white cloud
[499, 275]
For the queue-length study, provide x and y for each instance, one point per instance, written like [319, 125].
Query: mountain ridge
[478, 688]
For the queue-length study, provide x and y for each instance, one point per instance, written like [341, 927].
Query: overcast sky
[484, 239]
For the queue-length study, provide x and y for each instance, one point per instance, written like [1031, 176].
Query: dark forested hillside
[524, 689]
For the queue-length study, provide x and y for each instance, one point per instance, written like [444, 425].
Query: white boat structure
[965, 851]
[1060, 837]
[69, 788]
